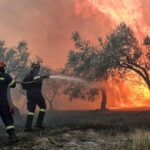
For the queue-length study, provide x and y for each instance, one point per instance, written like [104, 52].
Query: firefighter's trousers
[7, 118]
[34, 100]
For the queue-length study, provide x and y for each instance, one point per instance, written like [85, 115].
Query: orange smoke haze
[129, 11]
[47, 26]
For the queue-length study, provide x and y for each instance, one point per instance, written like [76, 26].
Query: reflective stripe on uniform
[42, 110]
[30, 113]
[1, 78]
[36, 77]
[10, 127]
[12, 82]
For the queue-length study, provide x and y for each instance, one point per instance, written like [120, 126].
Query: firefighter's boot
[12, 137]
[28, 126]
[40, 119]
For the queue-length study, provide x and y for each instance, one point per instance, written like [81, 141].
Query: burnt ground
[85, 130]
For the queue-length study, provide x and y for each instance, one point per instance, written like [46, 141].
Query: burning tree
[122, 54]
[116, 56]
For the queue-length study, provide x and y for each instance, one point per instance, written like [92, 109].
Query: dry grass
[84, 139]
[141, 140]
[82, 130]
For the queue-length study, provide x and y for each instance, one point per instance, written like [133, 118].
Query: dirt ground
[85, 130]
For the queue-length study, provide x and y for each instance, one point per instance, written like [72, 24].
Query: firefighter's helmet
[2, 64]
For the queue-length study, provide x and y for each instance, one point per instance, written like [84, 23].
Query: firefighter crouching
[32, 83]
[5, 109]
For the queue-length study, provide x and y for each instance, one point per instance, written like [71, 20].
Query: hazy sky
[47, 25]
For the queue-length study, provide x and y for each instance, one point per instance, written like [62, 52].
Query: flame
[131, 92]
[129, 11]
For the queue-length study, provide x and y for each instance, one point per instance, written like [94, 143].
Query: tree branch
[127, 66]
[144, 70]
[138, 66]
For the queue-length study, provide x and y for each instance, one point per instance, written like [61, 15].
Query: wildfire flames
[129, 11]
[128, 93]
[133, 91]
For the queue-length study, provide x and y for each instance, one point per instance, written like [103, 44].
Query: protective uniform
[32, 83]
[5, 110]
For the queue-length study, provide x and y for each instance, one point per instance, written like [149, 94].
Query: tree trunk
[51, 104]
[16, 109]
[104, 99]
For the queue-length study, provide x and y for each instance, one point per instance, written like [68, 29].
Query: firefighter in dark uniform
[5, 109]
[32, 83]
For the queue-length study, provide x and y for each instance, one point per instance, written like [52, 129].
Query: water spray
[60, 77]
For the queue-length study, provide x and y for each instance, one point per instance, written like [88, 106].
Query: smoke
[47, 26]
[129, 11]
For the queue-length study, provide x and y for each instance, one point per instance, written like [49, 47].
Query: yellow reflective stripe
[30, 113]
[42, 110]
[36, 77]
[10, 127]
[12, 82]
[1, 78]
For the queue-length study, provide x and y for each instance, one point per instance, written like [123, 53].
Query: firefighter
[32, 83]
[5, 108]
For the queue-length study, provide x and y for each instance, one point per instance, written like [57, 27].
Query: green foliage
[147, 40]
[147, 44]
[2, 50]
[121, 47]
[77, 91]
[19, 65]
[16, 58]
[85, 62]
[81, 63]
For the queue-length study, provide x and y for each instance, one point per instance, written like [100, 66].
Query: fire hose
[60, 77]
[29, 82]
